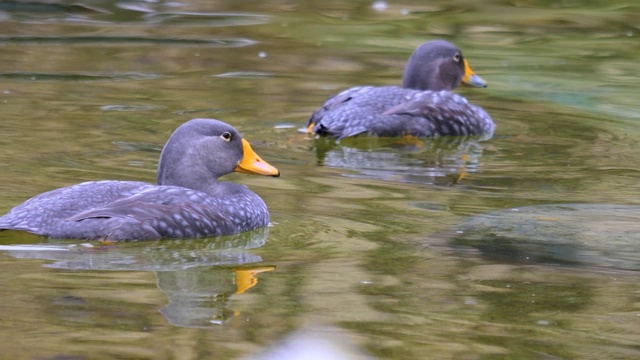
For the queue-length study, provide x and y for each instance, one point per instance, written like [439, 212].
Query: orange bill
[470, 78]
[252, 163]
[246, 278]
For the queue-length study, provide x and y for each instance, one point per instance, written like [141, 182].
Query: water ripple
[123, 40]
[209, 19]
[82, 77]
[244, 74]
[130, 107]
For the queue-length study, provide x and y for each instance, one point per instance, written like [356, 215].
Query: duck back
[129, 210]
[391, 111]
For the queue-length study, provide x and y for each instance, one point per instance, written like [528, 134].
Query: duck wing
[335, 117]
[175, 212]
[44, 214]
[392, 111]
[440, 113]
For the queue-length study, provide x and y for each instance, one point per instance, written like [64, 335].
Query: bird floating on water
[423, 106]
[187, 202]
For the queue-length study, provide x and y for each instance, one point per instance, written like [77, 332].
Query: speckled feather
[131, 210]
[395, 111]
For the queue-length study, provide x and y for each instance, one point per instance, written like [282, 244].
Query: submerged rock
[588, 234]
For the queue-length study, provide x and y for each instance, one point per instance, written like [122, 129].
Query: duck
[423, 106]
[187, 200]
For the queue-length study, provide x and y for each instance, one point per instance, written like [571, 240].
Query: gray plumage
[424, 106]
[188, 202]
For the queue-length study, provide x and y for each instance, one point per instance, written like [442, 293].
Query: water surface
[376, 238]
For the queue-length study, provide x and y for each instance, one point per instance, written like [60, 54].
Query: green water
[368, 236]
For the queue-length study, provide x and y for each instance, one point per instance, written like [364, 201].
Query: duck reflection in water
[199, 297]
[436, 161]
[199, 277]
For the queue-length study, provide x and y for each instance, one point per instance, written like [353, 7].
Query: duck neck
[196, 180]
[435, 79]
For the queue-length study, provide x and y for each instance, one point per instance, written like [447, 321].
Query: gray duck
[186, 202]
[424, 105]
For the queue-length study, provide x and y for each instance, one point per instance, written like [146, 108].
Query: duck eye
[226, 136]
[456, 57]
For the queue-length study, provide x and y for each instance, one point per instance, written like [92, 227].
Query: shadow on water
[584, 235]
[199, 277]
